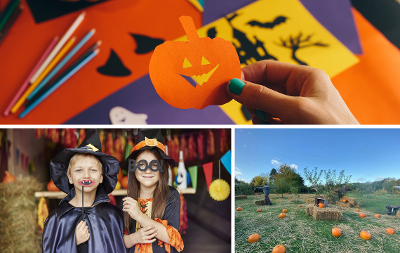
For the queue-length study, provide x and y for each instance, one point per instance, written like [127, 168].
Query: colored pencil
[58, 47]
[10, 22]
[26, 83]
[61, 75]
[58, 84]
[62, 63]
[44, 73]
[5, 15]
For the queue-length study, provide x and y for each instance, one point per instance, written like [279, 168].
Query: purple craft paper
[334, 15]
[141, 97]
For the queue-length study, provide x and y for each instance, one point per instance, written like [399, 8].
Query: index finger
[79, 224]
[269, 72]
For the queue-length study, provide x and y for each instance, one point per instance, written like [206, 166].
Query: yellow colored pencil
[43, 75]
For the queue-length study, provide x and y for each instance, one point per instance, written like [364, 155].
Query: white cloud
[275, 162]
[237, 172]
[244, 145]
[361, 179]
[294, 166]
[379, 178]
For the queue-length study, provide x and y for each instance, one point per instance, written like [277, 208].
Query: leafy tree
[287, 180]
[272, 175]
[258, 181]
[242, 187]
[313, 177]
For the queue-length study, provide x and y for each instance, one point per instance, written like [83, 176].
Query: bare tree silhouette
[295, 43]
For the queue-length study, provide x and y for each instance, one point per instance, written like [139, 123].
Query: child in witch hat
[84, 221]
[152, 208]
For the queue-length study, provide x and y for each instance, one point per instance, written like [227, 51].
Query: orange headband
[150, 143]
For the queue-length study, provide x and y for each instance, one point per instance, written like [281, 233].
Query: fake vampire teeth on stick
[86, 183]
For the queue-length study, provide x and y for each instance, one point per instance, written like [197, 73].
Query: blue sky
[366, 154]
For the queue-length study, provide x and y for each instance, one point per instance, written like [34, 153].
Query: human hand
[146, 235]
[131, 207]
[278, 92]
[82, 232]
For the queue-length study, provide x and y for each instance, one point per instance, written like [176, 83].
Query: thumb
[260, 97]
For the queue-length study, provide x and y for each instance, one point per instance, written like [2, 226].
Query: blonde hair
[78, 156]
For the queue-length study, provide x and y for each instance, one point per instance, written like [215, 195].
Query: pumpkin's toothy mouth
[200, 79]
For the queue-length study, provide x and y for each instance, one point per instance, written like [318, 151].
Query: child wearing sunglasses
[152, 208]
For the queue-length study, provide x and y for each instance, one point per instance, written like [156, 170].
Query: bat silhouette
[277, 21]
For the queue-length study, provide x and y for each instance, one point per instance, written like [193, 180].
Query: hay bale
[398, 214]
[259, 202]
[18, 216]
[309, 210]
[343, 204]
[240, 197]
[327, 214]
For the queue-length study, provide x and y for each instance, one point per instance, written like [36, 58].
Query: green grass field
[301, 233]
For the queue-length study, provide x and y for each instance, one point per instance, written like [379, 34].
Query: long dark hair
[160, 192]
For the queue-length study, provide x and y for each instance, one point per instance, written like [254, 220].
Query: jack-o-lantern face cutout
[210, 62]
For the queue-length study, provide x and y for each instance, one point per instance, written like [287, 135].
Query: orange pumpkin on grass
[258, 210]
[390, 231]
[365, 235]
[284, 211]
[282, 215]
[377, 215]
[357, 210]
[239, 209]
[212, 62]
[254, 238]
[279, 249]
[336, 232]
[362, 215]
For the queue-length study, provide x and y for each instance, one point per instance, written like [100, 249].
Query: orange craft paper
[371, 88]
[114, 21]
[213, 61]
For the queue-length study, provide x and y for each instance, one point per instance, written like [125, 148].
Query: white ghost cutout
[121, 116]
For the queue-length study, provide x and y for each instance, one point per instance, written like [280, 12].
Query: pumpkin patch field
[298, 232]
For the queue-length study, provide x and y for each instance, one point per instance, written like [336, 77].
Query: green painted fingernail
[235, 86]
[260, 114]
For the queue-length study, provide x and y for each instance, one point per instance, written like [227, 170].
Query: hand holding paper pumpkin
[211, 62]
[294, 94]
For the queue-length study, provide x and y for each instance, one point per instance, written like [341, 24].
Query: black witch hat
[90, 145]
[148, 139]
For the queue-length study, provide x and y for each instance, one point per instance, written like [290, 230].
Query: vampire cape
[104, 221]
[171, 214]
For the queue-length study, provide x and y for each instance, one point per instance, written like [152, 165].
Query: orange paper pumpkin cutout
[212, 62]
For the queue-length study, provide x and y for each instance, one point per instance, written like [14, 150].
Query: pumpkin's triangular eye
[204, 61]
[186, 63]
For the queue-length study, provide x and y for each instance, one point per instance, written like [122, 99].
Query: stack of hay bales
[309, 210]
[327, 213]
[19, 229]
[240, 197]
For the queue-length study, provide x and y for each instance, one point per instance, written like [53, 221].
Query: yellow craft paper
[333, 59]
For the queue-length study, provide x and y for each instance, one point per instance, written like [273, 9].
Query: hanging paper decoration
[31, 166]
[118, 148]
[223, 141]
[70, 138]
[184, 148]
[200, 146]
[226, 161]
[54, 135]
[109, 145]
[174, 148]
[102, 140]
[183, 220]
[192, 148]
[123, 141]
[208, 171]
[17, 157]
[46, 133]
[42, 212]
[210, 143]
[39, 133]
[82, 135]
[193, 175]
[129, 147]
[219, 190]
